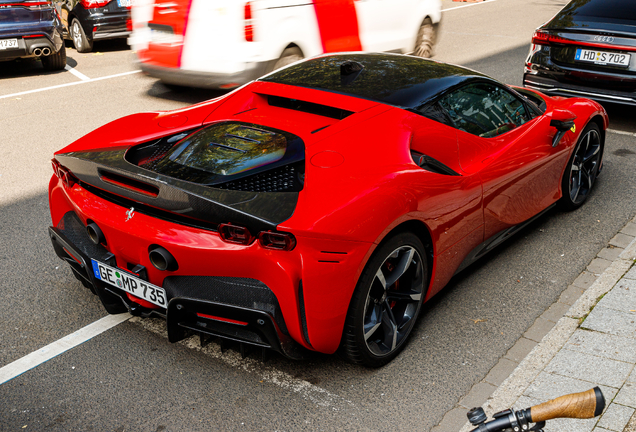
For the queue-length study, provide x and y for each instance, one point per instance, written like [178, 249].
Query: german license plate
[129, 283]
[602, 57]
[8, 44]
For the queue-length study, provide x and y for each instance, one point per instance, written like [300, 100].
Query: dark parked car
[31, 29]
[88, 20]
[588, 49]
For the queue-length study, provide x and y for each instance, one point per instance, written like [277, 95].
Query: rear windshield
[595, 10]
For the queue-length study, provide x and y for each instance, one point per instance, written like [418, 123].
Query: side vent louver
[432, 165]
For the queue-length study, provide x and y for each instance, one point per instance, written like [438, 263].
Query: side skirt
[496, 240]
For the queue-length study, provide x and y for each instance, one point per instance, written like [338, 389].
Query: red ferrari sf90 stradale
[318, 207]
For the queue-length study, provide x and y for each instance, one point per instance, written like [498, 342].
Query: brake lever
[538, 427]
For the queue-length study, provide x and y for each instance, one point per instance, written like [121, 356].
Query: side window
[484, 109]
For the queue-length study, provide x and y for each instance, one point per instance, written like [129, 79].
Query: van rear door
[167, 30]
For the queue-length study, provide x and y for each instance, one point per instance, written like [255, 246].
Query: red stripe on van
[338, 25]
[173, 13]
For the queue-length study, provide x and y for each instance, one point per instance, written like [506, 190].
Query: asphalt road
[130, 378]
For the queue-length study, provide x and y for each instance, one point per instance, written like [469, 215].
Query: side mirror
[562, 121]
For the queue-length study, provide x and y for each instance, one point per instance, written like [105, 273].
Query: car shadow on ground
[104, 46]
[621, 117]
[183, 94]
[27, 68]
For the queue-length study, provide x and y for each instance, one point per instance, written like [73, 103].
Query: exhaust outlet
[161, 259]
[46, 51]
[95, 233]
[37, 52]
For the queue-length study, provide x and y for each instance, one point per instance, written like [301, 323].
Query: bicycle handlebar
[582, 405]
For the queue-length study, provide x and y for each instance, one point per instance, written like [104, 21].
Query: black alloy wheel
[386, 302]
[583, 167]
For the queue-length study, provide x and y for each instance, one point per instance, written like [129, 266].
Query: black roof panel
[395, 79]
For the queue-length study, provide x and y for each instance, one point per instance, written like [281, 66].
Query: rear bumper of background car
[28, 43]
[603, 84]
[553, 87]
[99, 26]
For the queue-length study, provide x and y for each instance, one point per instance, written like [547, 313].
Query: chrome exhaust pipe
[37, 52]
[46, 51]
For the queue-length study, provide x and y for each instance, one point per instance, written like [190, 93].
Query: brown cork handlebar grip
[582, 405]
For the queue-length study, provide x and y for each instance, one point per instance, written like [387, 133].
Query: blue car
[31, 29]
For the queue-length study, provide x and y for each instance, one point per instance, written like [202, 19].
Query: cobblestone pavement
[585, 339]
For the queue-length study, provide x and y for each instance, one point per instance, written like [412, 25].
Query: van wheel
[289, 56]
[425, 40]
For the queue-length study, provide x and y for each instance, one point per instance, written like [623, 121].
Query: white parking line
[265, 373]
[68, 85]
[468, 5]
[77, 73]
[621, 132]
[60, 346]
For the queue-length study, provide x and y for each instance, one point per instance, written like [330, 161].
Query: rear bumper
[589, 81]
[238, 309]
[553, 87]
[26, 46]
[99, 25]
[210, 80]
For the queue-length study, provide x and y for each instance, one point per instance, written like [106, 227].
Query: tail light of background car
[249, 26]
[30, 4]
[276, 240]
[235, 234]
[544, 38]
[94, 3]
[63, 174]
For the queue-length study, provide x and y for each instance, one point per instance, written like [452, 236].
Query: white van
[227, 43]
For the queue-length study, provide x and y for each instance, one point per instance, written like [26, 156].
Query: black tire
[289, 56]
[82, 43]
[55, 61]
[386, 302]
[426, 38]
[582, 168]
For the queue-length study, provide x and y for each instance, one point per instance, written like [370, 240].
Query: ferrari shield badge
[573, 128]
[130, 213]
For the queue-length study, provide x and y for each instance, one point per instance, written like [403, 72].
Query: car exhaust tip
[161, 259]
[37, 52]
[46, 51]
[95, 234]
